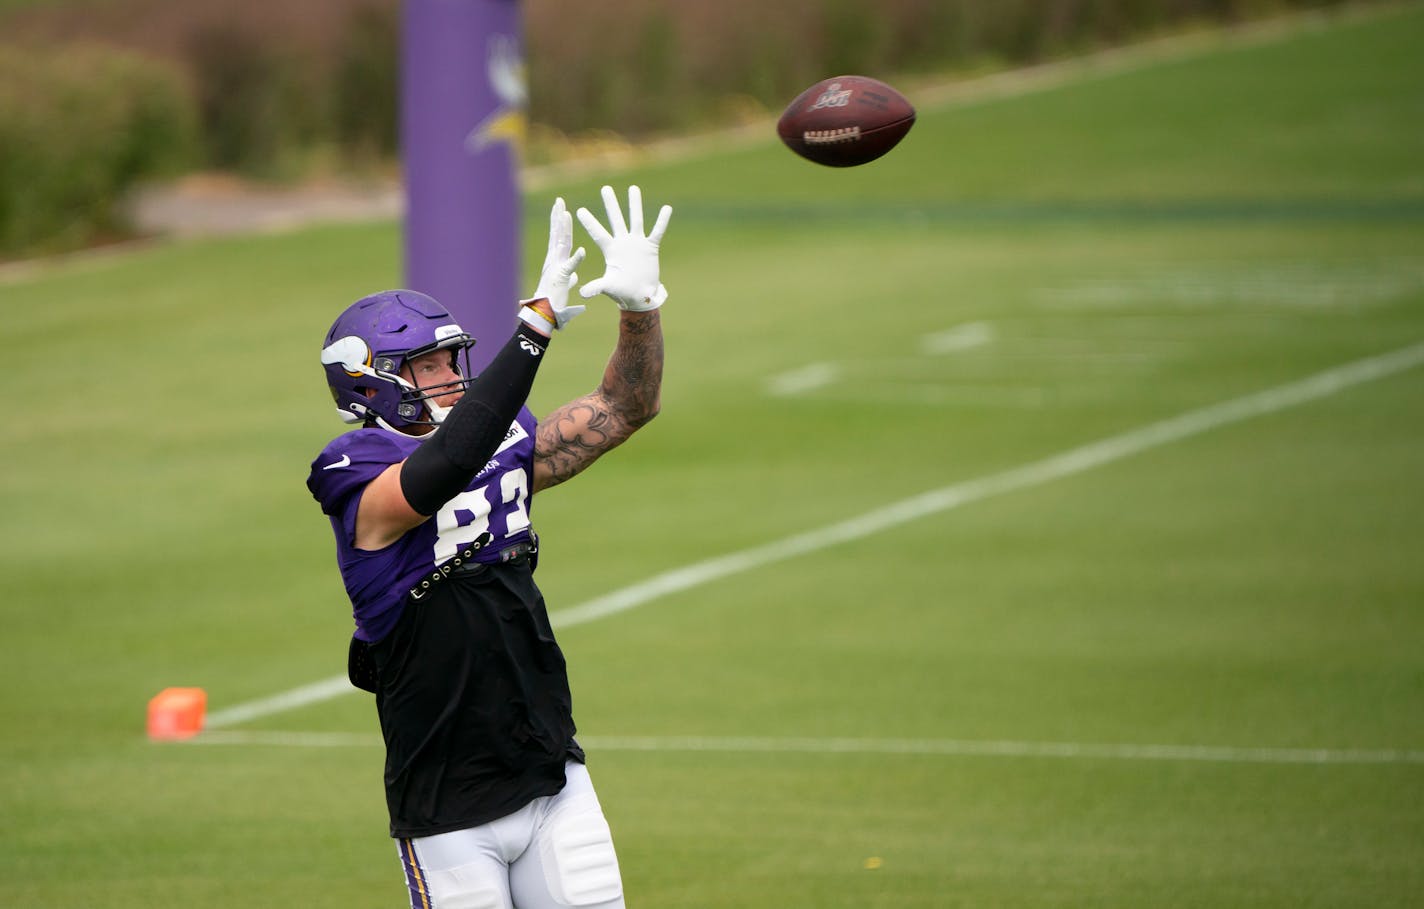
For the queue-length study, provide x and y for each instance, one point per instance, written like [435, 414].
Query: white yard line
[969, 747]
[314, 693]
[926, 394]
[935, 747]
[959, 338]
[946, 498]
[1037, 473]
[815, 376]
[802, 380]
[284, 739]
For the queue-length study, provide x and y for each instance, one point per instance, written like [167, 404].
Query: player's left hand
[630, 257]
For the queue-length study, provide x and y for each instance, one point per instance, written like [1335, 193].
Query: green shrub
[367, 82]
[78, 127]
[259, 101]
[655, 67]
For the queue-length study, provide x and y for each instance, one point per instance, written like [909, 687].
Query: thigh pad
[576, 849]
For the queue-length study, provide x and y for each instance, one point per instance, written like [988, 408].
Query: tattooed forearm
[572, 437]
[633, 381]
[575, 435]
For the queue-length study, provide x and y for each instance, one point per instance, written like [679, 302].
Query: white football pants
[554, 853]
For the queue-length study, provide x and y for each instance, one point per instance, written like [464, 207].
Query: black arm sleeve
[445, 463]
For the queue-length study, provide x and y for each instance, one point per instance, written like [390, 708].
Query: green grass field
[1189, 675]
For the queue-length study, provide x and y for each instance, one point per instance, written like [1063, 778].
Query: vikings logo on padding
[506, 123]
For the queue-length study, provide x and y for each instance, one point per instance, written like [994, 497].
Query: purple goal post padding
[463, 100]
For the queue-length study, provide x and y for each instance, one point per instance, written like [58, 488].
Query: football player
[429, 499]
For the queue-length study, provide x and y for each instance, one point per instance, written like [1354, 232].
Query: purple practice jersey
[377, 581]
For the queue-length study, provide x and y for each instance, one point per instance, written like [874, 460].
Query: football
[845, 120]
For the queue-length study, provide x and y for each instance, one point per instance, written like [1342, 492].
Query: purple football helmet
[370, 342]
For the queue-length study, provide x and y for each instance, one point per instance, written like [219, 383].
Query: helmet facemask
[416, 398]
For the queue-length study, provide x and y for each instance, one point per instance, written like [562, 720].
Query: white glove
[630, 258]
[558, 274]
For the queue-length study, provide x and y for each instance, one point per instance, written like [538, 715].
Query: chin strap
[437, 413]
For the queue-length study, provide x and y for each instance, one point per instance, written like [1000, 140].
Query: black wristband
[444, 464]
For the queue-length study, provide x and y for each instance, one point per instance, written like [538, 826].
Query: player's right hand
[558, 276]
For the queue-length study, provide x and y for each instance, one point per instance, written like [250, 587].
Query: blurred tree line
[96, 96]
